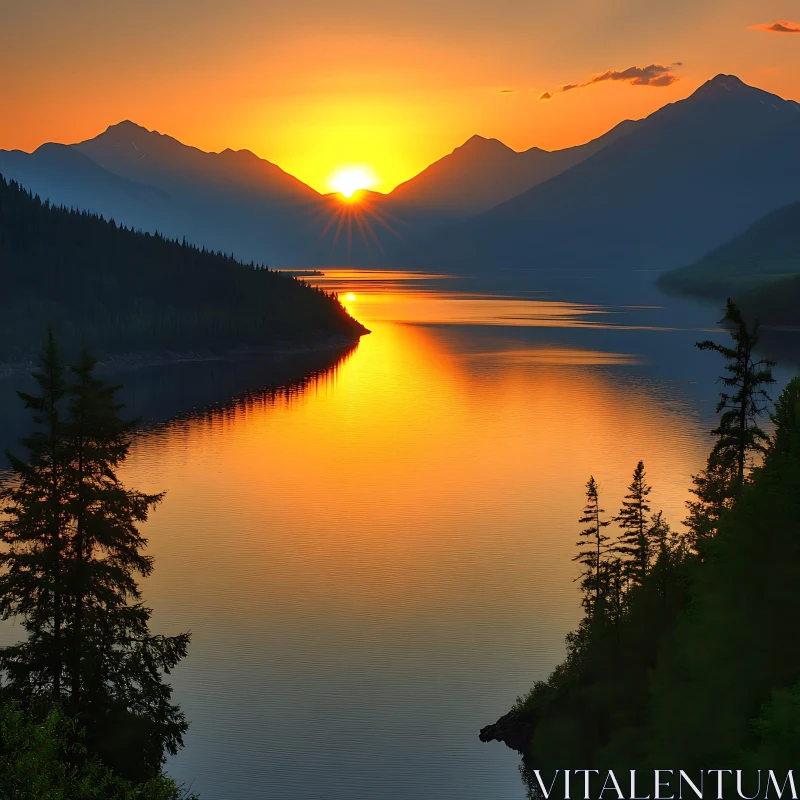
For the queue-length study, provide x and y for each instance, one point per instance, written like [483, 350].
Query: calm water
[374, 562]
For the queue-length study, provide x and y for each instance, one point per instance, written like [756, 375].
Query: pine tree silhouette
[634, 544]
[594, 547]
[738, 434]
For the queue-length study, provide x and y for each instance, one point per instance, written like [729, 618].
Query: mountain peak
[729, 80]
[723, 85]
[735, 93]
[480, 144]
[127, 127]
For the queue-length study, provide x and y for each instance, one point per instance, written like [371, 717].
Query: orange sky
[313, 85]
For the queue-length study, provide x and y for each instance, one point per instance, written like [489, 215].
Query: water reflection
[376, 566]
[376, 561]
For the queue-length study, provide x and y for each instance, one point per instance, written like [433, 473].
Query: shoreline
[121, 362]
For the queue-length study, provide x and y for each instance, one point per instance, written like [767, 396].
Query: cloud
[781, 26]
[508, 91]
[654, 75]
[545, 96]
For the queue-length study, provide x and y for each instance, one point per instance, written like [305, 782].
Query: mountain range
[688, 177]
[650, 194]
[482, 173]
[234, 201]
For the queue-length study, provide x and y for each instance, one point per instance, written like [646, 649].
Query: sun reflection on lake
[388, 551]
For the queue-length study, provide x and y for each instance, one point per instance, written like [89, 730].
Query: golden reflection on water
[388, 552]
[406, 439]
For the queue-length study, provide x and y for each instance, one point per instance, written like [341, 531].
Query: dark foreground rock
[513, 729]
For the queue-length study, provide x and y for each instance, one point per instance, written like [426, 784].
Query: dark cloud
[545, 96]
[654, 75]
[777, 27]
[508, 91]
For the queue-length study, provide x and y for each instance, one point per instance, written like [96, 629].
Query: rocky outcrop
[514, 730]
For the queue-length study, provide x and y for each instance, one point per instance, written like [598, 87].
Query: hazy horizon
[291, 84]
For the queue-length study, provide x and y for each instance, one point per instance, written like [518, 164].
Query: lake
[373, 548]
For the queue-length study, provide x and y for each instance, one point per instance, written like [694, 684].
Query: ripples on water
[374, 562]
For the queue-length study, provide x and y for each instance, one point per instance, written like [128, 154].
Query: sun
[348, 180]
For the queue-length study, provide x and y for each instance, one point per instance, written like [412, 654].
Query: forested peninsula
[687, 655]
[114, 290]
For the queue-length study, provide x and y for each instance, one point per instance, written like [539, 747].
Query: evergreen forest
[114, 290]
[686, 655]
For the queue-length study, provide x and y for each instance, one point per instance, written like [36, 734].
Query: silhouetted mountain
[158, 160]
[114, 290]
[769, 249]
[236, 202]
[482, 173]
[689, 176]
[229, 201]
[67, 177]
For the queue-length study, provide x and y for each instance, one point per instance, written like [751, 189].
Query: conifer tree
[115, 662]
[32, 582]
[664, 550]
[738, 434]
[594, 547]
[634, 544]
[713, 489]
[614, 584]
[73, 551]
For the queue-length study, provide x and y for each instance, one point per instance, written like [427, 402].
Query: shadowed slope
[118, 291]
[482, 173]
[769, 249]
[691, 175]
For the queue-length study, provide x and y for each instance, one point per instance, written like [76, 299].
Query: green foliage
[42, 757]
[113, 290]
[33, 529]
[72, 555]
[701, 668]
[734, 648]
[777, 731]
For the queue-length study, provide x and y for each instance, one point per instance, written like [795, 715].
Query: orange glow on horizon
[351, 179]
[389, 86]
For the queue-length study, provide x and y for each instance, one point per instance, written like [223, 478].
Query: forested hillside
[686, 656]
[768, 251]
[115, 290]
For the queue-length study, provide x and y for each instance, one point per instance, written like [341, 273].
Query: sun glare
[348, 180]
[350, 297]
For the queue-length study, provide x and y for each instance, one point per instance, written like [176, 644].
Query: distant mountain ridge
[689, 176]
[482, 173]
[67, 176]
[234, 201]
[153, 158]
